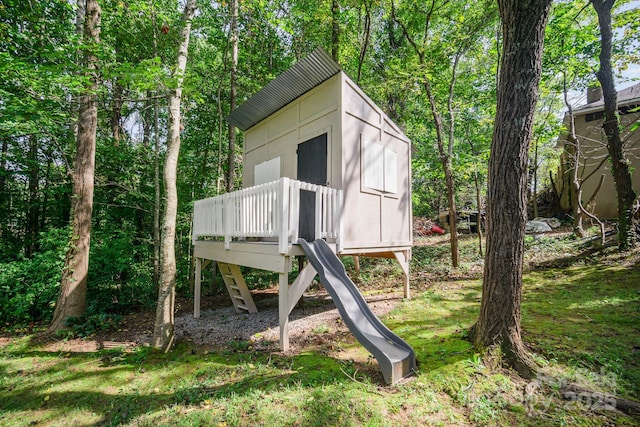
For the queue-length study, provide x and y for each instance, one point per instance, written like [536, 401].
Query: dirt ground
[314, 322]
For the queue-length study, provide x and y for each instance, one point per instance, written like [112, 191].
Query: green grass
[580, 316]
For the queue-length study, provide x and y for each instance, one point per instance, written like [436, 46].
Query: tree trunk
[366, 37]
[33, 167]
[535, 179]
[335, 30]
[3, 180]
[498, 325]
[619, 164]
[574, 150]
[157, 202]
[232, 94]
[445, 154]
[73, 286]
[164, 323]
[116, 112]
[445, 160]
[476, 181]
[156, 198]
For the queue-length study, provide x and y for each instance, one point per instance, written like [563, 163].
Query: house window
[266, 171]
[380, 167]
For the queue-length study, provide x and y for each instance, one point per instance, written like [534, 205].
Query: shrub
[29, 286]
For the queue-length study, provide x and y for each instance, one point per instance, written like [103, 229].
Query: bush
[120, 272]
[29, 287]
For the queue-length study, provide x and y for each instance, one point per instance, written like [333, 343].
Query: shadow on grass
[587, 317]
[119, 388]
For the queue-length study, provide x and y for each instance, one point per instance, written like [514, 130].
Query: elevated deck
[259, 227]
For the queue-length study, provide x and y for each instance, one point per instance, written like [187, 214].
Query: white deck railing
[267, 210]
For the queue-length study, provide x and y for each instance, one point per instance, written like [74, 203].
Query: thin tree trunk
[73, 286]
[116, 112]
[156, 198]
[575, 150]
[33, 167]
[498, 324]
[479, 207]
[4, 197]
[476, 181]
[366, 36]
[47, 182]
[535, 179]
[164, 322]
[232, 94]
[619, 164]
[335, 30]
[446, 155]
[156, 174]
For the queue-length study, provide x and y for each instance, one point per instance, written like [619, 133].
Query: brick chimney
[594, 93]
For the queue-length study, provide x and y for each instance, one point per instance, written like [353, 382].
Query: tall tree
[335, 30]
[611, 126]
[73, 286]
[465, 32]
[164, 322]
[498, 325]
[232, 92]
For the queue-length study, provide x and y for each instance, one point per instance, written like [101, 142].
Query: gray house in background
[594, 159]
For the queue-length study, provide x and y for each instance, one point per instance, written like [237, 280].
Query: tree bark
[335, 30]
[73, 286]
[232, 94]
[33, 167]
[157, 202]
[366, 37]
[619, 164]
[164, 322]
[498, 325]
[116, 112]
[3, 179]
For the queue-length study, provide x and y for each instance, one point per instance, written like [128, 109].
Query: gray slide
[395, 357]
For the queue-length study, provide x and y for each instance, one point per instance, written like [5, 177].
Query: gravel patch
[216, 327]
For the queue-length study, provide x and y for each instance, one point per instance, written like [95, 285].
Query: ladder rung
[242, 306]
[239, 297]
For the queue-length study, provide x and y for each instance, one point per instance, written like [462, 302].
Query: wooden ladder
[237, 288]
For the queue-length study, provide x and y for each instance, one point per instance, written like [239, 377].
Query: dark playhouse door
[312, 168]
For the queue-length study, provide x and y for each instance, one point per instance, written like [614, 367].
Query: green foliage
[29, 287]
[118, 281]
[88, 325]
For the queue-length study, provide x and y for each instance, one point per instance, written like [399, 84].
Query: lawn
[580, 315]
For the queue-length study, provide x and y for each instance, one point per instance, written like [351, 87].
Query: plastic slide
[395, 357]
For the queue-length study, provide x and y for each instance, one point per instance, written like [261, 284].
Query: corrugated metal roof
[303, 76]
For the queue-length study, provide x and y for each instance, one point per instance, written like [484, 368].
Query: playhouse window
[266, 171]
[380, 171]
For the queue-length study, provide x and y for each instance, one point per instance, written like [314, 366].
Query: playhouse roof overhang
[303, 76]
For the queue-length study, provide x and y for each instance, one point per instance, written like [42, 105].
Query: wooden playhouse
[321, 161]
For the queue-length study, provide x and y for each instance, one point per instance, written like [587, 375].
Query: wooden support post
[302, 282]
[283, 310]
[196, 289]
[403, 258]
[356, 263]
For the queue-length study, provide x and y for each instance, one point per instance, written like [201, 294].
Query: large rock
[553, 222]
[537, 227]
